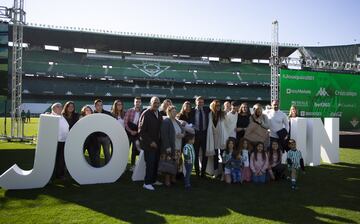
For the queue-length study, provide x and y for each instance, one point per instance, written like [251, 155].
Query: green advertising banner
[322, 94]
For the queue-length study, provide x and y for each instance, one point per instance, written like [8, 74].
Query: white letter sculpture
[76, 163]
[322, 141]
[39, 176]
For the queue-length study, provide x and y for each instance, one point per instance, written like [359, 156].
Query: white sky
[305, 22]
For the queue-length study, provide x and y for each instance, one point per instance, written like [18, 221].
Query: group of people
[229, 143]
[25, 116]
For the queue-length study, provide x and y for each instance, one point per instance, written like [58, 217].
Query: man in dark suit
[199, 117]
[101, 138]
[149, 132]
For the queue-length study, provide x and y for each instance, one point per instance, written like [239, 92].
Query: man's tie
[201, 126]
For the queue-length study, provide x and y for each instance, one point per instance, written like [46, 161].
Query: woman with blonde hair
[293, 112]
[163, 107]
[171, 140]
[216, 134]
[257, 131]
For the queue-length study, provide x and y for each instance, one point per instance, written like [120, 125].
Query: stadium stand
[78, 65]
[125, 66]
[345, 53]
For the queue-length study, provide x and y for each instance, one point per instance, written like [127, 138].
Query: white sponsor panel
[344, 105]
[298, 77]
[322, 92]
[310, 114]
[300, 103]
[298, 91]
[336, 114]
[322, 104]
[345, 93]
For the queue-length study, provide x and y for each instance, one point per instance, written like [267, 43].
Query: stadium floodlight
[92, 51]
[51, 47]
[80, 50]
[214, 58]
[238, 60]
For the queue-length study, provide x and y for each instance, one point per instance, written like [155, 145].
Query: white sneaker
[148, 187]
[158, 183]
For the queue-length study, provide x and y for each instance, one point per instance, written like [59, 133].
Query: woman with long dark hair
[70, 114]
[118, 111]
[242, 121]
[184, 114]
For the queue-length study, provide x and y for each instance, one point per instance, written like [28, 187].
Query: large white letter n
[39, 176]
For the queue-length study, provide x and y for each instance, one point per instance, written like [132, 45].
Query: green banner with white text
[322, 94]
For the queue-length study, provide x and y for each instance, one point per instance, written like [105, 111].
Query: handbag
[167, 165]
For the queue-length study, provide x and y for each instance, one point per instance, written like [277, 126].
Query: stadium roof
[345, 53]
[159, 44]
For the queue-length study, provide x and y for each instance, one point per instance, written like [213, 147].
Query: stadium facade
[61, 64]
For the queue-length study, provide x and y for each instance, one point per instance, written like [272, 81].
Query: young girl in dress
[276, 169]
[226, 157]
[245, 153]
[259, 163]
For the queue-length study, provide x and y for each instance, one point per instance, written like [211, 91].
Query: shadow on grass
[323, 186]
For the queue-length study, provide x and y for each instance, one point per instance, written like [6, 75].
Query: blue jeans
[236, 175]
[188, 168]
[259, 179]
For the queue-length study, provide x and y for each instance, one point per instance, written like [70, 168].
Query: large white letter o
[75, 161]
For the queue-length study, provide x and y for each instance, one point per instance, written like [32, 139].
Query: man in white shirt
[227, 107]
[279, 124]
[59, 170]
[232, 117]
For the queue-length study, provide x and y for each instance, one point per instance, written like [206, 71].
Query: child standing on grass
[226, 157]
[245, 153]
[294, 161]
[189, 158]
[276, 168]
[259, 163]
[236, 163]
